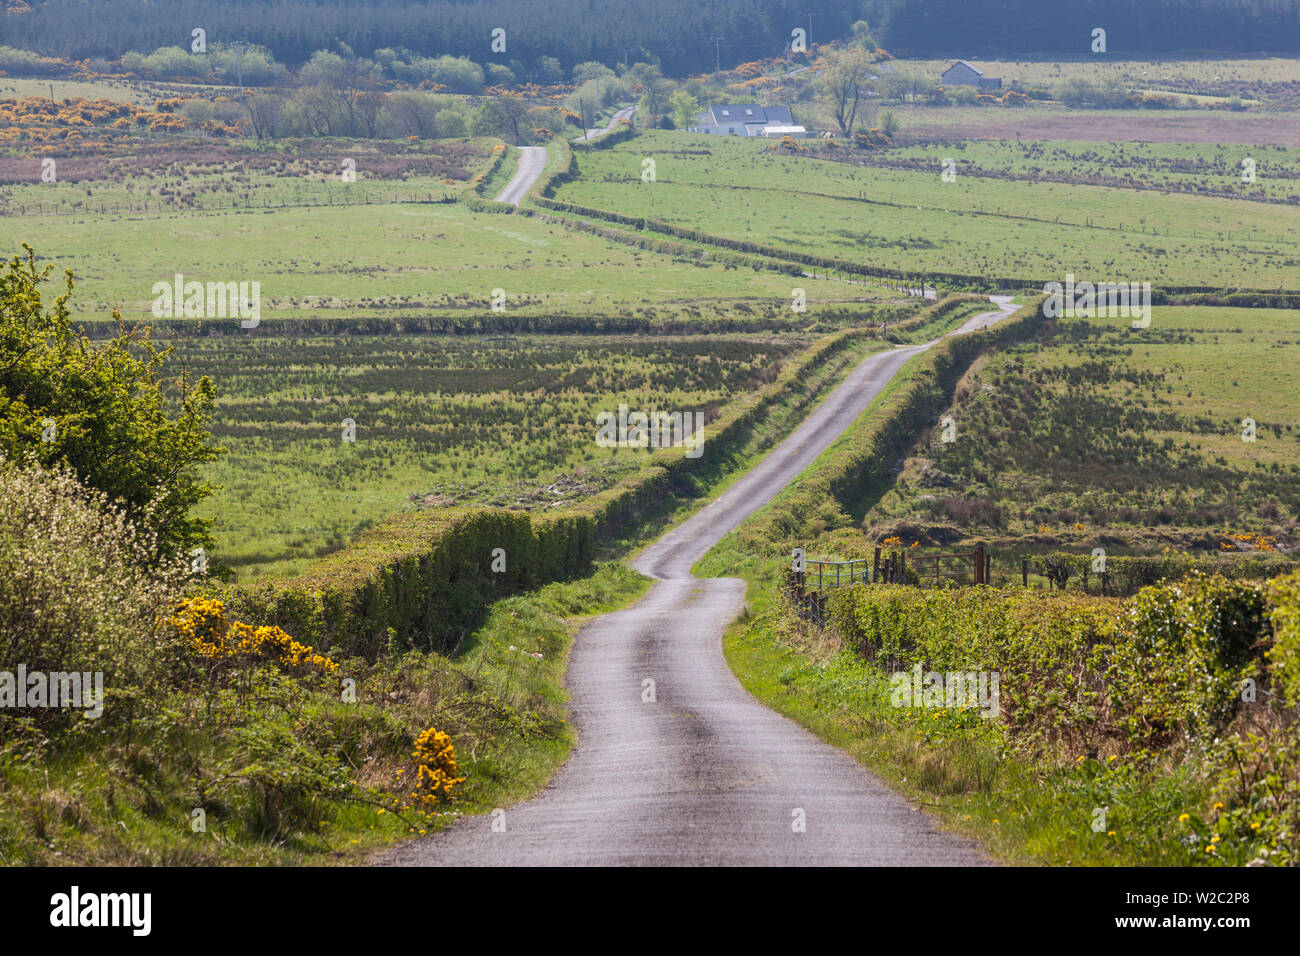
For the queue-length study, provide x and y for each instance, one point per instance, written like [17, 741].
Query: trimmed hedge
[667, 247]
[422, 578]
[566, 171]
[1083, 671]
[621, 132]
[424, 574]
[479, 204]
[646, 224]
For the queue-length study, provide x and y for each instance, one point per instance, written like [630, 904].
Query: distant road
[704, 774]
[625, 113]
[532, 160]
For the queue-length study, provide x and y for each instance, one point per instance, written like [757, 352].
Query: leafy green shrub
[1090, 673]
[77, 592]
[1284, 655]
[102, 411]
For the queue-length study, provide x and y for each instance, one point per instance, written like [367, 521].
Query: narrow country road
[625, 113]
[532, 160]
[704, 774]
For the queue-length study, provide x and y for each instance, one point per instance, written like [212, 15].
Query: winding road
[532, 160]
[625, 113]
[704, 774]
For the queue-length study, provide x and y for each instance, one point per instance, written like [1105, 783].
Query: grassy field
[914, 220]
[1170, 167]
[439, 420]
[1105, 435]
[431, 258]
[123, 91]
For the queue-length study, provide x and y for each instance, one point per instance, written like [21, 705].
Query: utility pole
[717, 55]
[810, 16]
[239, 73]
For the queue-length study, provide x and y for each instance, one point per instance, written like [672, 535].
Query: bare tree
[369, 104]
[843, 83]
[414, 112]
[264, 113]
[514, 108]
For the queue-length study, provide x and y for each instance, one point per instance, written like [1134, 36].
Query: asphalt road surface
[703, 774]
[532, 160]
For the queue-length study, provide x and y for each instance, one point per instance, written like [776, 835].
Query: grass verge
[277, 770]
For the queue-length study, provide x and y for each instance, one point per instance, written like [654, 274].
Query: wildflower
[1184, 817]
[1255, 825]
[436, 767]
[1218, 806]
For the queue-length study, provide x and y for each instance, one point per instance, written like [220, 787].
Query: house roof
[966, 64]
[744, 114]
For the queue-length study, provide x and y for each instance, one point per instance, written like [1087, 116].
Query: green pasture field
[1157, 166]
[914, 221]
[336, 260]
[1108, 435]
[441, 419]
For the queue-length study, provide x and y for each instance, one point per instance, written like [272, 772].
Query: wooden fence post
[875, 567]
[1024, 571]
[979, 564]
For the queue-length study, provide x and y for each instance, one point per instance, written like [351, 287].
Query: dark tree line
[1010, 27]
[679, 34]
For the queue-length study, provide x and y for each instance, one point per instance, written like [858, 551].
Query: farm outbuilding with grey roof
[962, 73]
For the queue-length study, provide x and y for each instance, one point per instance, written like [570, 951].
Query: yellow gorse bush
[203, 621]
[436, 768]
